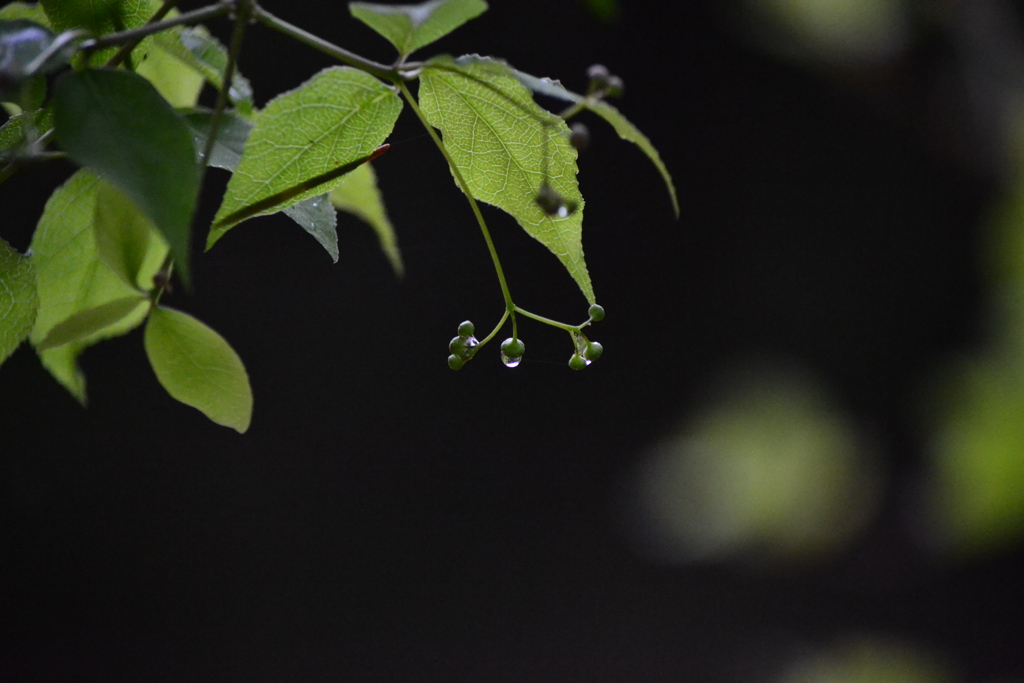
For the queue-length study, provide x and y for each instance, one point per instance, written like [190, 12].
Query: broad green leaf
[118, 125]
[626, 130]
[410, 27]
[507, 148]
[70, 277]
[359, 196]
[197, 367]
[25, 10]
[99, 17]
[206, 57]
[337, 118]
[18, 300]
[85, 324]
[174, 80]
[126, 241]
[315, 215]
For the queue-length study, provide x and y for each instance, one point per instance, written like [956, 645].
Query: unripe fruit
[466, 329]
[577, 362]
[455, 363]
[598, 75]
[596, 313]
[594, 351]
[513, 348]
[579, 136]
[457, 345]
[614, 87]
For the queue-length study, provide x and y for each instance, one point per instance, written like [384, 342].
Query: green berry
[577, 362]
[513, 348]
[466, 329]
[455, 363]
[596, 313]
[457, 345]
[579, 136]
[594, 351]
[614, 87]
[598, 75]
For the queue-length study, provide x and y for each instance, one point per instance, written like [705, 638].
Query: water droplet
[315, 204]
[509, 361]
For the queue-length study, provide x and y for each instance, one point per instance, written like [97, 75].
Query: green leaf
[18, 300]
[197, 367]
[502, 143]
[626, 130]
[410, 27]
[174, 80]
[18, 130]
[85, 324]
[359, 196]
[118, 125]
[205, 56]
[337, 118]
[70, 277]
[99, 17]
[231, 136]
[126, 241]
[25, 10]
[315, 215]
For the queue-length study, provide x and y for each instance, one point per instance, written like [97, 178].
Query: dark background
[388, 519]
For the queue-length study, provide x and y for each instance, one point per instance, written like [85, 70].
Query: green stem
[497, 328]
[509, 305]
[549, 321]
[381, 71]
[188, 18]
[127, 48]
[244, 12]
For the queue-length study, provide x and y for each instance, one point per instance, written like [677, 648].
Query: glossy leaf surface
[18, 300]
[315, 215]
[99, 17]
[198, 367]
[153, 160]
[338, 117]
[507, 148]
[410, 27]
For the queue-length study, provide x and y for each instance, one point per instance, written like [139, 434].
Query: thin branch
[381, 71]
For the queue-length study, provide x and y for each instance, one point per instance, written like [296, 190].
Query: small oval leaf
[199, 368]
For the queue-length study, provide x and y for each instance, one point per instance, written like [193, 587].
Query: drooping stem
[509, 304]
[549, 321]
[381, 71]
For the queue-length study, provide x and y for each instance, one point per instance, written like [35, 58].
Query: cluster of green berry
[462, 347]
[465, 345]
